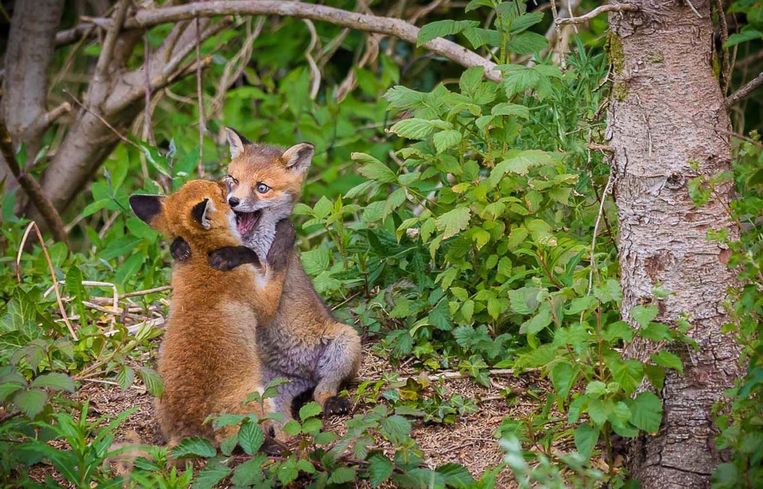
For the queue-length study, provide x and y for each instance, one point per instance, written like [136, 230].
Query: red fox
[208, 358]
[303, 343]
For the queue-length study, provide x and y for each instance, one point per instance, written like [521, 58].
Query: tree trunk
[667, 115]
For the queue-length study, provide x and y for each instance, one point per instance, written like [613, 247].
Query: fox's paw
[229, 257]
[336, 405]
[180, 249]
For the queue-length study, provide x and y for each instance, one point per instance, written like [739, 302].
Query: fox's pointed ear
[236, 142]
[149, 209]
[298, 157]
[200, 213]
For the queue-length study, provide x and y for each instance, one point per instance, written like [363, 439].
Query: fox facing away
[303, 343]
[208, 358]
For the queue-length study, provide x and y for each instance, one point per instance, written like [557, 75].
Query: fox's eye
[262, 188]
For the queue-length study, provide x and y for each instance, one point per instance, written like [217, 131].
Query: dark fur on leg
[229, 257]
[180, 249]
[283, 244]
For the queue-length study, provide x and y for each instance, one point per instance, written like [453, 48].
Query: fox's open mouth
[247, 221]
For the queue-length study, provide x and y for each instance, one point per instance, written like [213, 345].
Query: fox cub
[303, 343]
[208, 358]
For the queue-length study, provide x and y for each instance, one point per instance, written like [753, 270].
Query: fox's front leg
[337, 364]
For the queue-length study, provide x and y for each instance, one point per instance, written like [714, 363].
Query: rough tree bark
[667, 112]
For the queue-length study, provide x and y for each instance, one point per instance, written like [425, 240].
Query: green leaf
[656, 332]
[506, 108]
[9, 388]
[415, 128]
[309, 410]
[210, 476]
[618, 329]
[586, 437]
[442, 28]
[342, 475]
[249, 473]
[152, 381]
[668, 360]
[403, 98]
[527, 43]
[538, 322]
[646, 412]
[524, 300]
[374, 169]
[31, 402]
[453, 221]
[627, 373]
[599, 409]
[250, 437]
[471, 79]
[395, 428]
[379, 469]
[292, 428]
[125, 377]
[525, 21]
[563, 377]
[194, 446]
[446, 139]
[519, 163]
[55, 381]
[644, 315]
[744, 36]
[456, 476]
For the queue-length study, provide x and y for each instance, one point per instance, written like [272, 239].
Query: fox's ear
[236, 142]
[200, 213]
[149, 209]
[298, 157]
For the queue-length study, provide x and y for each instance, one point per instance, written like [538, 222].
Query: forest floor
[470, 441]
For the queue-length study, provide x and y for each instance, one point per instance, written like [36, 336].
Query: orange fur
[208, 359]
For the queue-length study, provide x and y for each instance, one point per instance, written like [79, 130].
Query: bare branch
[100, 86]
[200, 95]
[743, 92]
[31, 187]
[144, 18]
[612, 7]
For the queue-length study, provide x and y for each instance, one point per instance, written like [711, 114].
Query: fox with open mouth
[303, 343]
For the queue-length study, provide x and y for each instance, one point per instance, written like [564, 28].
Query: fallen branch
[31, 187]
[746, 89]
[145, 18]
[614, 7]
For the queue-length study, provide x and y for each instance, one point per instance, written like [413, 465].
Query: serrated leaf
[210, 476]
[374, 169]
[55, 381]
[442, 28]
[152, 381]
[563, 377]
[413, 128]
[446, 139]
[505, 108]
[250, 437]
[395, 428]
[292, 428]
[125, 377]
[453, 221]
[644, 315]
[586, 437]
[668, 360]
[31, 402]
[456, 476]
[342, 475]
[249, 473]
[402, 98]
[646, 412]
[309, 410]
[379, 469]
[194, 446]
[527, 43]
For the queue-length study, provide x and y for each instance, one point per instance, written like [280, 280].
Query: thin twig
[315, 73]
[691, 6]
[746, 90]
[725, 63]
[61, 307]
[200, 95]
[613, 7]
[100, 118]
[31, 187]
[155, 290]
[607, 190]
